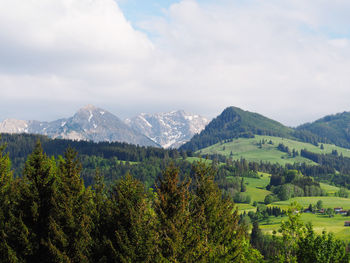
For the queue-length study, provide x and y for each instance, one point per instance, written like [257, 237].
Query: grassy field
[250, 149]
[330, 189]
[328, 201]
[196, 159]
[256, 189]
[320, 223]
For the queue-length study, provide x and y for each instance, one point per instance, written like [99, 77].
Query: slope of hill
[170, 129]
[234, 123]
[265, 148]
[332, 128]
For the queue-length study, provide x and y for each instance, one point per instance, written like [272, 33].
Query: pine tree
[39, 207]
[224, 239]
[135, 238]
[176, 229]
[73, 209]
[8, 228]
[256, 236]
[100, 216]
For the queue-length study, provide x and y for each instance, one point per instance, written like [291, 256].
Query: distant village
[330, 212]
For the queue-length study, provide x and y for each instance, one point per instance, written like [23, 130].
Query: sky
[286, 59]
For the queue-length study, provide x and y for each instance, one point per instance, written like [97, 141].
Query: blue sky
[136, 10]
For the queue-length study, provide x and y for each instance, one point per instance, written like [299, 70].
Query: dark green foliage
[104, 155]
[291, 183]
[176, 227]
[39, 198]
[224, 239]
[330, 129]
[73, 209]
[127, 230]
[48, 215]
[10, 226]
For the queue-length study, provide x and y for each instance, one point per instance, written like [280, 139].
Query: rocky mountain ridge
[88, 123]
[92, 123]
[170, 129]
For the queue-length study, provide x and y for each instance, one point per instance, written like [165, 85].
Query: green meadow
[320, 223]
[256, 189]
[251, 149]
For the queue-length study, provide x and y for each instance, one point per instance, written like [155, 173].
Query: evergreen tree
[73, 209]
[101, 216]
[176, 229]
[132, 236]
[9, 244]
[256, 235]
[39, 207]
[217, 217]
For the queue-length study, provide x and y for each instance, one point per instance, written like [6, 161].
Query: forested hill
[20, 145]
[234, 122]
[331, 129]
[111, 160]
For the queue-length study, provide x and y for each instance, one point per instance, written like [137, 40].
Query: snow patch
[91, 115]
[95, 126]
[63, 123]
[147, 123]
[169, 144]
[102, 112]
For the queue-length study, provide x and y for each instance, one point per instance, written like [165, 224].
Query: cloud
[274, 57]
[287, 59]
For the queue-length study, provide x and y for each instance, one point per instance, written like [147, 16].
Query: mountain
[234, 122]
[89, 123]
[171, 129]
[332, 129]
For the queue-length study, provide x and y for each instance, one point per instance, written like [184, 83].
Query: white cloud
[287, 59]
[273, 57]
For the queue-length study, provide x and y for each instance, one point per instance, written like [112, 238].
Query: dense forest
[49, 215]
[330, 129]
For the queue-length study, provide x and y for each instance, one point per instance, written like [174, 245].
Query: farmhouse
[347, 223]
[343, 212]
[337, 209]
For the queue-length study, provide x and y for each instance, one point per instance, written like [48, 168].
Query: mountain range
[180, 129]
[95, 124]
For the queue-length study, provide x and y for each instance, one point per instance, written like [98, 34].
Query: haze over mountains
[96, 124]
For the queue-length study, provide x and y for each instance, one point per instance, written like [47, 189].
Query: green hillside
[333, 128]
[236, 123]
[253, 149]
